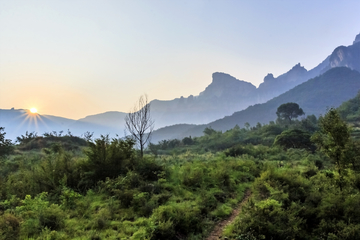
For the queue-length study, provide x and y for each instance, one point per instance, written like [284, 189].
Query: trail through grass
[217, 232]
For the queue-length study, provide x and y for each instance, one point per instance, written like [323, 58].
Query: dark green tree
[187, 141]
[294, 138]
[208, 131]
[6, 147]
[288, 111]
[333, 139]
[109, 158]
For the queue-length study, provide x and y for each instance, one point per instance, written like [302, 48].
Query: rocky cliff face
[346, 56]
[224, 85]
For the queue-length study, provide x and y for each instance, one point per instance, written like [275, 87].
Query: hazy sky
[75, 58]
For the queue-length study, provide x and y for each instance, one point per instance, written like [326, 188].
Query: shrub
[52, 217]
[9, 226]
[38, 214]
[185, 218]
[109, 158]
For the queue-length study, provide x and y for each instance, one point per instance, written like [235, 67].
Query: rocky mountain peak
[224, 84]
[297, 66]
[269, 77]
[298, 69]
[221, 78]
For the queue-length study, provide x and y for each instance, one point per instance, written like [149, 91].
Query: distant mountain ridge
[330, 89]
[224, 96]
[19, 121]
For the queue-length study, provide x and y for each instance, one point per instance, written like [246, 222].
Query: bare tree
[139, 123]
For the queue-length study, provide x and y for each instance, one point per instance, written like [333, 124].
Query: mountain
[272, 87]
[112, 122]
[220, 98]
[314, 96]
[346, 56]
[19, 121]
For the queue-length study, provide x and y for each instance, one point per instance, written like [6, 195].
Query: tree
[109, 158]
[208, 131]
[188, 141]
[294, 138]
[139, 123]
[289, 111]
[6, 146]
[333, 138]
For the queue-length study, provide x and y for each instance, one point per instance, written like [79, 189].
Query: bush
[185, 218]
[52, 217]
[39, 214]
[9, 226]
[109, 159]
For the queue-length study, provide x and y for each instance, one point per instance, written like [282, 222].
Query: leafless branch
[139, 123]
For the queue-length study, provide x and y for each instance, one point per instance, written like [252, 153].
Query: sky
[74, 58]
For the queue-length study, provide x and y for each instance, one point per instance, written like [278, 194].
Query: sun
[33, 110]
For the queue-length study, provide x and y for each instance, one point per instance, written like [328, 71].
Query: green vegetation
[288, 111]
[350, 111]
[5, 144]
[303, 174]
[107, 191]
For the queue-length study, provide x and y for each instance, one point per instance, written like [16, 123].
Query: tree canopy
[5, 144]
[288, 111]
[294, 138]
[333, 138]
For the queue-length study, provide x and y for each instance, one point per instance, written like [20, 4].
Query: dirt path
[216, 233]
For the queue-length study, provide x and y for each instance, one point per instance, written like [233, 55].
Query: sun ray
[30, 117]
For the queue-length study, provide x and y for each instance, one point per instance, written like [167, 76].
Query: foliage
[350, 110]
[31, 141]
[294, 138]
[185, 187]
[288, 205]
[108, 158]
[23, 139]
[180, 196]
[38, 214]
[289, 111]
[6, 147]
[334, 139]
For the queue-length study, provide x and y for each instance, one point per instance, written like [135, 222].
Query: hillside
[316, 95]
[350, 112]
